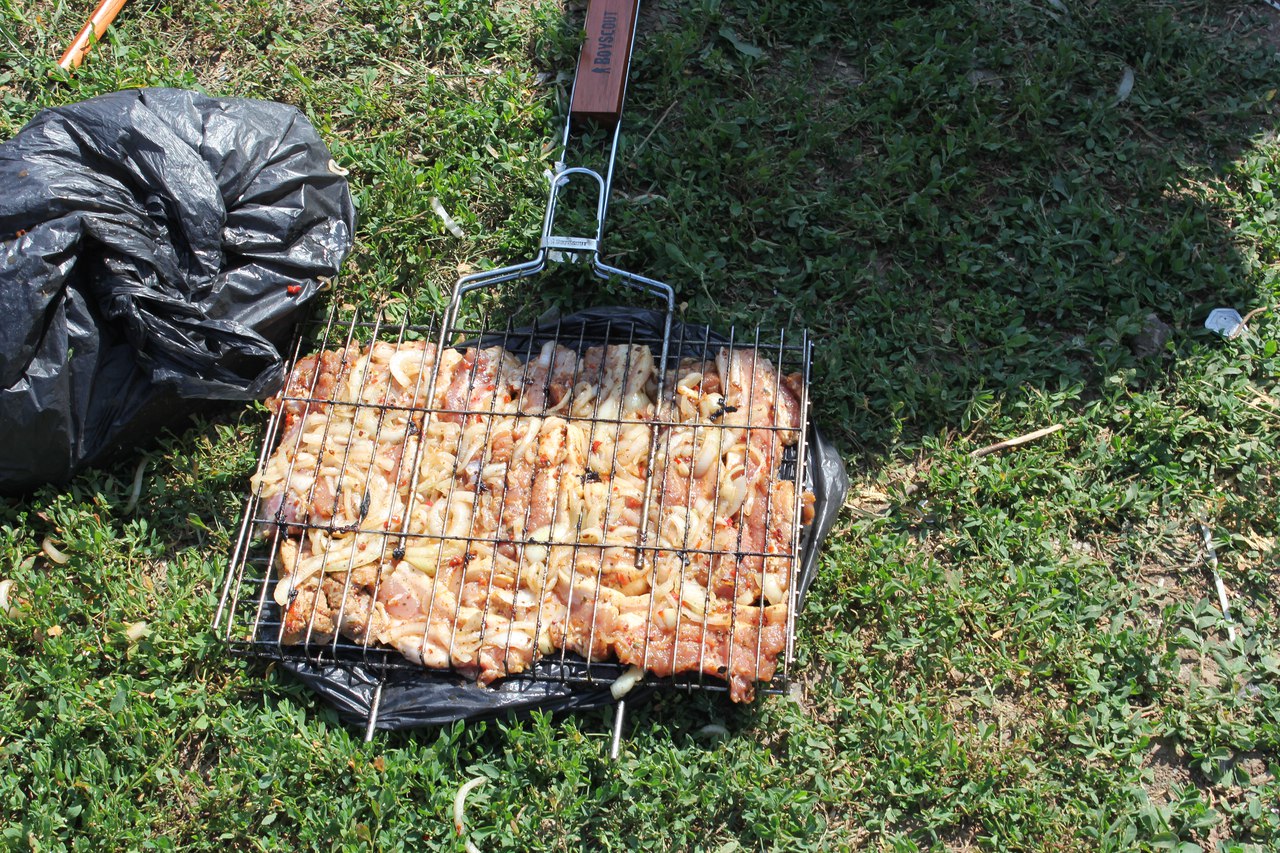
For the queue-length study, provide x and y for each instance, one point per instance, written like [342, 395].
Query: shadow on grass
[970, 211]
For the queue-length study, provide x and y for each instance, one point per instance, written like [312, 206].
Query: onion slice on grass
[136, 491]
[459, 803]
[53, 553]
[451, 225]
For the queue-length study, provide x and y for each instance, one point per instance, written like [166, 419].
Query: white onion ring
[397, 370]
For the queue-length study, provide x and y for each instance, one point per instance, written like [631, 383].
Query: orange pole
[92, 32]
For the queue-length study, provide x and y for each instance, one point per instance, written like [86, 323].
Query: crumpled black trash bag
[408, 700]
[156, 246]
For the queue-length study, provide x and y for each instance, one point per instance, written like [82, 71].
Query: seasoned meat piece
[472, 385]
[311, 383]
[308, 618]
[521, 472]
[355, 612]
[549, 380]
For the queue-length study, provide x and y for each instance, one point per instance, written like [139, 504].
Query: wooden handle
[603, 61]
[93, 30]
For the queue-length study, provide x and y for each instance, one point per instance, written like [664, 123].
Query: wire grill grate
[695, 599]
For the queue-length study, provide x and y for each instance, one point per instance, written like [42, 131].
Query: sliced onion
[623, 684]
[733, 491]
[53, 553]
[711, 403]
[517, 639]
[708, 454]
[136, 491]
[397, 366]
[772, 589]
[5, 609]
[459, 803]
[694, 599]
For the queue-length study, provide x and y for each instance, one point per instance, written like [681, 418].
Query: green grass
[1019, 651]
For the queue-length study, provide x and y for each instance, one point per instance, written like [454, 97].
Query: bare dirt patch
[962, 839]
[1256, 766]
[1268, 31]
[654, 18]
[1202, 670]
[1168, 768]
[838, 72]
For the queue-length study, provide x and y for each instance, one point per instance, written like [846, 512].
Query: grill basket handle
[601, 80]
[599, 89]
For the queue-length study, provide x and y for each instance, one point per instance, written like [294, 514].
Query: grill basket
[377, 685]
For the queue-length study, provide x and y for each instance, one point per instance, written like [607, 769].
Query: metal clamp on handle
[559, 180]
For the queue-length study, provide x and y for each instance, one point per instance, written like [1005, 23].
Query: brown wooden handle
[603, 61]
[94, 29]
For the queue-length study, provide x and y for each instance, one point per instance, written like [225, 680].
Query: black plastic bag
[415, 699]
[156, 246]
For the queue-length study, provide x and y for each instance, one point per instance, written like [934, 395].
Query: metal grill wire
[251, 622]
